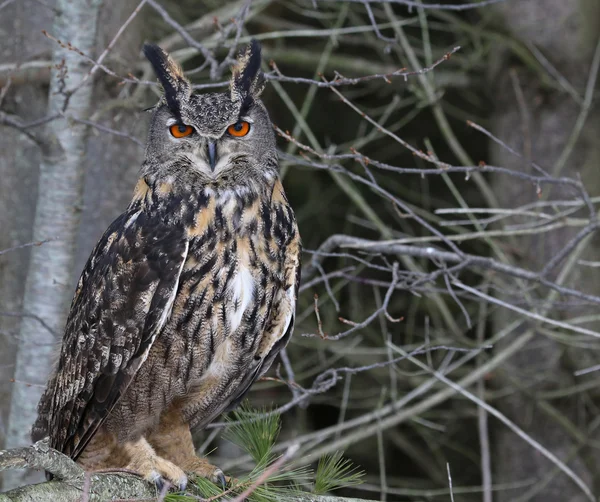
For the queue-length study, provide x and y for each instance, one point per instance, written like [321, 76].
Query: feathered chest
[234, 276]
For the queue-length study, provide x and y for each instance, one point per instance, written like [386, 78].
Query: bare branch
[422, 5]
[390, 247]
[26, 245]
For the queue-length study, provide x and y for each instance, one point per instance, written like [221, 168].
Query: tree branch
[42, 458]
[72, 482]
[390, 247]
[70, 478]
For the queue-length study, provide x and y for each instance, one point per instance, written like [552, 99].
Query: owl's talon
[157, 480]
[201, 468]
[182, 484]
[220, 479]
[152, 467]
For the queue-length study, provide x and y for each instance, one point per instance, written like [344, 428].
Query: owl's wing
[122, 301]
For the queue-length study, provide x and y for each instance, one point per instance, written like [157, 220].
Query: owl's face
[217, 135]
[213, 136]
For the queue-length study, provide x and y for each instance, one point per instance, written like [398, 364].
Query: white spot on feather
[132, 218]
[242, 287]
[231, 203]
[166, 313]
[291, 295]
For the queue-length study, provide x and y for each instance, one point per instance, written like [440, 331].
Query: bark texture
[540, 125]
[20, 40]
[72, 482]
[48, 287]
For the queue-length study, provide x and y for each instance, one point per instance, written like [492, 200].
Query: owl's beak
[212, 154]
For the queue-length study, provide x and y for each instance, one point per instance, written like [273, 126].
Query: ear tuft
[247, 80]
[177, 88]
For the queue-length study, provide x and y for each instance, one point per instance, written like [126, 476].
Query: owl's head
[217, 136]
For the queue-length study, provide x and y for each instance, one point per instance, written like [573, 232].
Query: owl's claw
[221, 480]
[200, 467]
[182, 484]
[159, 481]
[152, 467]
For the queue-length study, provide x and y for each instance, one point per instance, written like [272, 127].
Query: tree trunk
[108, 163]
[539, 125]
[20, 41]
[48, 288]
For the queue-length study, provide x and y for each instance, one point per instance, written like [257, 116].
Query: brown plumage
[188, 296]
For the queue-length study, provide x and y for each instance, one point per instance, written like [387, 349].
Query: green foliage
[335, 472]
[256, 433]
[175, 497]
[206, 488]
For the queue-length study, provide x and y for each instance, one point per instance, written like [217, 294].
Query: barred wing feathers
[123, 299]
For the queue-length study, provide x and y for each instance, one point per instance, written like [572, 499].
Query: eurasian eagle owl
[188, 296]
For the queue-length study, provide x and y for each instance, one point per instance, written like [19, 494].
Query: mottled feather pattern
[188, 296]
[114, 318]
[229, 235]
[109, 333]
[177, 88]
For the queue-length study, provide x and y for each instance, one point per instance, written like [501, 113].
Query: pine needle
[335, 472]
[268, 493]
[174, 497]
[254, 432]
[206, 488]
[288, 479]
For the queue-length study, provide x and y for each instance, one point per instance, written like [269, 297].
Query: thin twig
[26, 245]
[511, 425]
[267, 473]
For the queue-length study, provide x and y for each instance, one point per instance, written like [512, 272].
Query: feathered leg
[173, 441]
[104, 453]
[154, 468]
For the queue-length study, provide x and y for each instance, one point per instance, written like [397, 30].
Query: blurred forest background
[447, 199]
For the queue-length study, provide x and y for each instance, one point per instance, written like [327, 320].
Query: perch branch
[72, 484]
[42, 458]
[71, 481]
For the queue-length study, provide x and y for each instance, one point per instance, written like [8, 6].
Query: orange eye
[239, 129]
[181, 130]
